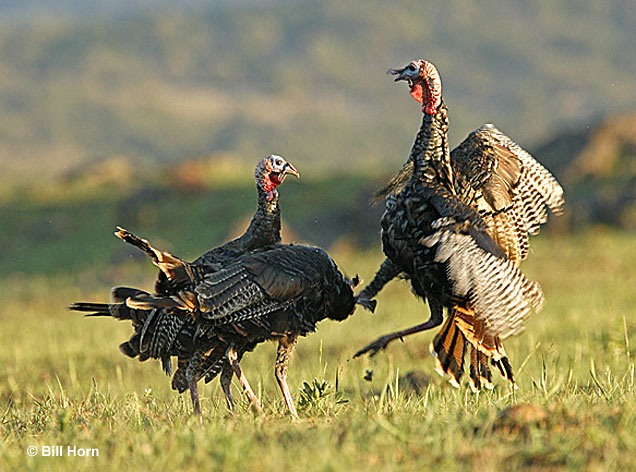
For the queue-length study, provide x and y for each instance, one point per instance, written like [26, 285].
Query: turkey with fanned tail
[456, 225]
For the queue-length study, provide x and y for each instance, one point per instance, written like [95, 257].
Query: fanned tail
[461, 331]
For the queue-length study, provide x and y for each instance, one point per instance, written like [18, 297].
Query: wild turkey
[170, 334]
[456, 225]
[279, 293]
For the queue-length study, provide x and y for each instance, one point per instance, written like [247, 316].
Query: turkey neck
[430, 153]
[264, 229]
[430, 149]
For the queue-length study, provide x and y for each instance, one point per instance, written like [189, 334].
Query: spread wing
[476, 270]
[510, 188]
[496, 290]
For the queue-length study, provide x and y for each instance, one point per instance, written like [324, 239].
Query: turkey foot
[377, 345]
[383, 341]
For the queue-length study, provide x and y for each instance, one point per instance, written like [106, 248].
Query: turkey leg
[383, 341]
[226, 385]
[387, 272]
[194, 395]
[285, 346]
[232, 357]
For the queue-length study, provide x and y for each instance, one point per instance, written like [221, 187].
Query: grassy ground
[63, 383]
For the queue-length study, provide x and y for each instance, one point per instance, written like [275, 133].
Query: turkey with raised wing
[456, 225]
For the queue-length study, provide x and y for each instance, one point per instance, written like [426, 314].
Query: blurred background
[152, 115]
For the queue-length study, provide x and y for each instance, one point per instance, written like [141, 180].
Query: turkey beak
[410, 73]
[398, 72]
[290, 169]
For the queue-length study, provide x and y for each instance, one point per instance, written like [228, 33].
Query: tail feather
[180, 382]
[449, 348]
[128, 349]
[166, 364]
[480, 375]
[98, 309]
[477, 334]
[508, 369]
[136, 241]
[152, 316]
[182, 301]
[485, 375]
[117, 308]
[178, 272]
[214, 361]
[158, 333]
[505, 369]
[121, 294]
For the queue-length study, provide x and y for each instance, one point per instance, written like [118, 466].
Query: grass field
[64, 383]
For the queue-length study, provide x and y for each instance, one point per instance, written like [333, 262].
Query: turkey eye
[278, 162]
[411, 67]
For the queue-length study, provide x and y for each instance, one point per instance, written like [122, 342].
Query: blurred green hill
[159, 83]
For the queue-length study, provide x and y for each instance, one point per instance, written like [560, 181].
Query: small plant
[148, 398]
[319, 394]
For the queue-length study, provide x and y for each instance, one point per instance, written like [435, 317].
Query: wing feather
[505, 183]
[500, 295]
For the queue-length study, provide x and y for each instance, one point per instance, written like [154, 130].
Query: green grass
[63, 382]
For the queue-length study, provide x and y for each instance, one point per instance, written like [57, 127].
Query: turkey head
[270, 172]
[425, 83]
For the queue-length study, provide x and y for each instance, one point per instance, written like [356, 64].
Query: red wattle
[267, 183]
[417, 93]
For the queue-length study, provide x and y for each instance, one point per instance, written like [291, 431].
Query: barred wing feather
[495, 289]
